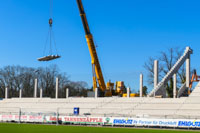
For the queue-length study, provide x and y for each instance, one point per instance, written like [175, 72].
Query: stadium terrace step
[196, 91]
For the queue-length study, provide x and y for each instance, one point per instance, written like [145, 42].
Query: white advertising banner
[188, 123]
[7, 117]
[86, 120]
[144, 122]
[22, 118]
[152, 122]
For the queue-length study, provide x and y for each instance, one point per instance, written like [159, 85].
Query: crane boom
[97, 73]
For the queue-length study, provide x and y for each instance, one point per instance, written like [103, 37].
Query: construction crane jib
[96, 68]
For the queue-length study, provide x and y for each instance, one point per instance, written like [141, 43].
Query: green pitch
[30, 128]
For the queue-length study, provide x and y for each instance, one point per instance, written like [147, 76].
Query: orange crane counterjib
[95, 61]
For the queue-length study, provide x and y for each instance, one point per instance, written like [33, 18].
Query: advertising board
[86, 120]
[186, 123]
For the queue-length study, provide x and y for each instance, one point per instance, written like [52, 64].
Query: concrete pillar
[155, 73]
[174, 86]
[128, 92]
[96, 93]
[35, 88]
[40, 92]
[56, 87]
[141, 85]
[6, 92]
[20, 93]
[188, 71]
[67, 92]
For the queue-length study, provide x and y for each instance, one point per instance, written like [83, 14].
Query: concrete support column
[67, 92]
[41, 93]
[6, 93]
[96, 93]
[56, 87]
[188, 71]
[20, 93]
[141, 85]
[174, 86]
[128, 92]
[155, 73]
[35, 88]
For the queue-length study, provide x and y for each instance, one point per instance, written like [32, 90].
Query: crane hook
[50, 22]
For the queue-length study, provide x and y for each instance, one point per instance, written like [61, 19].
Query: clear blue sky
[127, 32]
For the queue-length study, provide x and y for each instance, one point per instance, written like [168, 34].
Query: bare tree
[18, 77]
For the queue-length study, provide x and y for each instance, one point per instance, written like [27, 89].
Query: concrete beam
[56, 88]
[174, 86]
[128, 92]
[96, 93]
[41, 95]
[6, 93]
[141, 85]
[188, 71]
[35, 88]
[20, 93]
[67, 93]
[155, 73]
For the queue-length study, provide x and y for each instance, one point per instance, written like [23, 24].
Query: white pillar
[155, 73]
[128, 92]
[56, 87]
[40, 92]
[174, 86]
[20, 93]
[188, 71]
[6, 92]
[67, 93]
[96, 93]
[141, 85]
[35, 89]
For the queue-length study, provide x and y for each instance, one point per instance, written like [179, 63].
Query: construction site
[111, 103]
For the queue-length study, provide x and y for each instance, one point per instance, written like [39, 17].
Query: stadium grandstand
[100, 110]
[109, 104]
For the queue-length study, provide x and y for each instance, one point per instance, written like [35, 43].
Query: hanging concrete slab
[48, 58]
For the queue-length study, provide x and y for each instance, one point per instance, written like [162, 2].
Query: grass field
[30, 128]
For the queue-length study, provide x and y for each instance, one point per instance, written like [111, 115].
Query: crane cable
[50, 23]
[51, 9]
[50, 35]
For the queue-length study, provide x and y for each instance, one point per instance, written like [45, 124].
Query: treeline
[18, 77]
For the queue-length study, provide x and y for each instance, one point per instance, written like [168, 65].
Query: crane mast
[96, 68]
